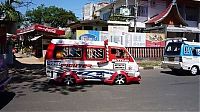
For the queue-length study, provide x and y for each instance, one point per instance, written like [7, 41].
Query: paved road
[160, 90]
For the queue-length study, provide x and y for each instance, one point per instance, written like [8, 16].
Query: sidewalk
[28, 59]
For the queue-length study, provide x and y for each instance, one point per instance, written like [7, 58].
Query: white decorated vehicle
[76, 61]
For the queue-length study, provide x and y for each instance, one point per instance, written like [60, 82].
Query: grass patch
[149, 63]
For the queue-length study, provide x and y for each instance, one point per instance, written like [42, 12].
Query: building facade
[90, 10]
[188, 11]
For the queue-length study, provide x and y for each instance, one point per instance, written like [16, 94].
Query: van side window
[66, 52]
[196, 51]
[95, 53]
[119, 53]
[73, 52]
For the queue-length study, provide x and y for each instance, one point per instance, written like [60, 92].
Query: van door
[196, 55]
[119, 58]
[187, 57]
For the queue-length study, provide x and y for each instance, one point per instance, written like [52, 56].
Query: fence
[146, 52]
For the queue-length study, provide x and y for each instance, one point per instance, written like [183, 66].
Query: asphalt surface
[159, 90]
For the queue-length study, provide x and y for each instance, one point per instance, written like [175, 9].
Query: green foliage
[54, 16]
[8, 9]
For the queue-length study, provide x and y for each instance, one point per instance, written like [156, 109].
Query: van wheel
[69, 80]
[120, 79]
[194, 70]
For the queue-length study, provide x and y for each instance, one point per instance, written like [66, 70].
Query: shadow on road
[32, 76]
[5, 98]
[177, 73]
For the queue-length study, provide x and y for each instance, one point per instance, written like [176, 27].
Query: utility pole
[126, 3]
[135, 14]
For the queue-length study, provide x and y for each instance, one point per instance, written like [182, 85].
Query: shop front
[34, 39]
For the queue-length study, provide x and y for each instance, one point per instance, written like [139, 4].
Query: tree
[54, 16]
[8, 10]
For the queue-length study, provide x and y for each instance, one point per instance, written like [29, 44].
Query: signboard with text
[128, 39]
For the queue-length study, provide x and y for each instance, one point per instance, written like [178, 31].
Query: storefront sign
[42, 28]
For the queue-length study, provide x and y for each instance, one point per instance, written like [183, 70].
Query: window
[119, 53]
[142, 11]
[196, 51]
[68, 52]
[106, 16]
[173, 49]
[95, 53]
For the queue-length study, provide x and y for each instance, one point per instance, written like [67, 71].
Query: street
[159, 90]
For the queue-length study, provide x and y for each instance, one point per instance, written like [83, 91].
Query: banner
[87, 35]
[155, 40]
[135, 40]
[128, 39]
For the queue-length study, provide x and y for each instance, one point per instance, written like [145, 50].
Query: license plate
[171, 58]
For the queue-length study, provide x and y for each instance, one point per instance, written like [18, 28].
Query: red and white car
[76, 61]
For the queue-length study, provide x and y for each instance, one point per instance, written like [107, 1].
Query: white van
[182, 55]
[75, 61]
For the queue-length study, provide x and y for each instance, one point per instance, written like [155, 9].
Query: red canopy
[38, 27]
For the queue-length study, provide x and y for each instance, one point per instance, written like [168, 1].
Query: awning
[183, 29]
[37, 37]
[173, 9]
[42, 28]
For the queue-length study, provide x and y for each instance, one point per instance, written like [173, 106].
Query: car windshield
[173, 49]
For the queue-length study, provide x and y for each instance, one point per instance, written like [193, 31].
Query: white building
[90, 10]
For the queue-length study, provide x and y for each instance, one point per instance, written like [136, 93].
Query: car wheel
[194, 70]
[120, 79]
[69, 80]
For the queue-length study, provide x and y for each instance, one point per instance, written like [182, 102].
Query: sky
[75, 6]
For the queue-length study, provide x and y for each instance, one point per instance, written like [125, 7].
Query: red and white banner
[38, 27]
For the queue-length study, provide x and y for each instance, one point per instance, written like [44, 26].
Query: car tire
[120, 79]
[194, 70]
[69, 80]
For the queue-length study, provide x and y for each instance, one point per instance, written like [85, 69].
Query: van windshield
[173, 49]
